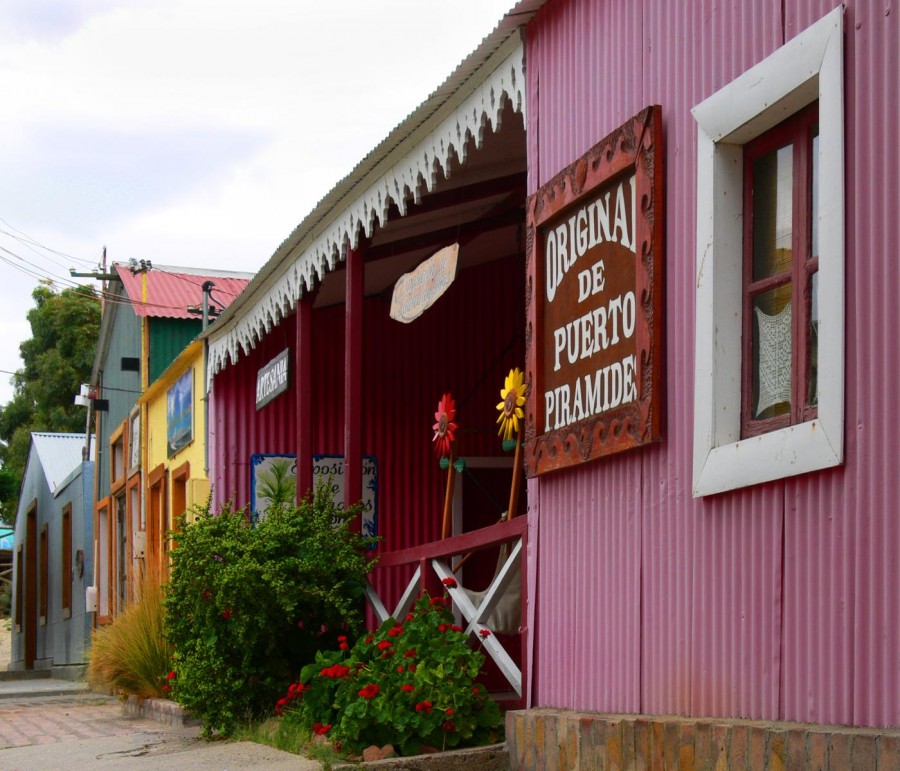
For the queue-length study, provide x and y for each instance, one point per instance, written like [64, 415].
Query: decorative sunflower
[513, 395]
[445, 428]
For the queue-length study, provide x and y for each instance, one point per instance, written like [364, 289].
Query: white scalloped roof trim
[402, 182]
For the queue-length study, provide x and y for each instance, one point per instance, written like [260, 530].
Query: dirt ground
[5, 642]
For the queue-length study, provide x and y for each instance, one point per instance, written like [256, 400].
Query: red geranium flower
[448, 712]
[448, 726]
[400, 670]
[444, 428]
[344, 647]
[450, 582]
[226, 614]
[424, 706]
[341, 638]
[410, 654]
[166, 689]
[171, 675]
[484, 632]
[320, 730]
[409, 616]
[335, 671]
[279, 706]
[384, 645]
[412, 667]
[397, 630]
[455, 628]
[408, 688]
[369, 691]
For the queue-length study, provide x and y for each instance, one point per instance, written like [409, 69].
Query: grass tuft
[287, 736]
[131, 655]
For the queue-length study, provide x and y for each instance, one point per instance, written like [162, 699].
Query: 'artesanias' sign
[594, 251]
[272, 379]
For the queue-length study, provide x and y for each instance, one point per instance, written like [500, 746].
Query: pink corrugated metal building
[743, 566]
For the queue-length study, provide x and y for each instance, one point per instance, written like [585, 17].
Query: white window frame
[807, 68]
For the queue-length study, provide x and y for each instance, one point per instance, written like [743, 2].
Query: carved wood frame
[635, 147]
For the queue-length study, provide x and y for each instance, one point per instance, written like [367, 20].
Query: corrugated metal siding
[406, 369]
[121, 388]
[168, 338]
[843, 535]
[777, 602]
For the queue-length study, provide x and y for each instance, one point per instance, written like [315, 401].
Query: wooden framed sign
[594, 256]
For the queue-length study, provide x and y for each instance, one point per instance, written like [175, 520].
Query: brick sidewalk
[49, 719]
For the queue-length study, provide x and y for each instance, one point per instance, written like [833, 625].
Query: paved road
[85, 730]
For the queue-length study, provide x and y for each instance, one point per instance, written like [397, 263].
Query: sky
[195, 132]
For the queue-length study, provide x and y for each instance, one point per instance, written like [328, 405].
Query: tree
[57, 359]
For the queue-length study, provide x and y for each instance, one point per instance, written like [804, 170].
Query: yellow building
[174, 450]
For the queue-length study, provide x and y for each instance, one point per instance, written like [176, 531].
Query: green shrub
[409, 684]
[247, 606]
[131, 655]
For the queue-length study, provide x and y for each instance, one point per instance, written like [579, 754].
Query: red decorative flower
[411, 668]
[320, 730]
[444, 428]
[448, 712]
[410, 654]
[437, 601]
[409, 616]
[484, 632]
[171, 675]
[396, 631]
[450, 582]
[369, 640]
[369, 691]
[408, 688]
[226, 614]
[448, 726]
[455, 628]
[401, 669]
[166, 689]
[344, 647]
[341, 638]
[424, 706]
[443, 627]
[384, 645]
[279, 706]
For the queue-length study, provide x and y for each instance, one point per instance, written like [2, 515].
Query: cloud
[91, 177]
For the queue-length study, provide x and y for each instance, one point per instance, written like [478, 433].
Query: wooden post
[303, 383]
[353, 338]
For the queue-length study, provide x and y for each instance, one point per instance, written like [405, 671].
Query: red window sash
[797, 131]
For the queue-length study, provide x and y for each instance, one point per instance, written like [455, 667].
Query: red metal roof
[171, 291]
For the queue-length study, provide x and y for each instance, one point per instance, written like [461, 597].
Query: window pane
[772, 352]
[773, 176]
[812, 349]
[815, 193]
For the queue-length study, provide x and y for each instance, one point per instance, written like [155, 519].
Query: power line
[37, 243]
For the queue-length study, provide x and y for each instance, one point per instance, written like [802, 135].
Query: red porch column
[353, 338]
[303, 383]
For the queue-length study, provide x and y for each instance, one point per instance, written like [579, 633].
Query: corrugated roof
[59, 454]
[460, 81]
[172, 290]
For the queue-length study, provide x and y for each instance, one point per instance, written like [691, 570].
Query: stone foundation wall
[546, 739]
